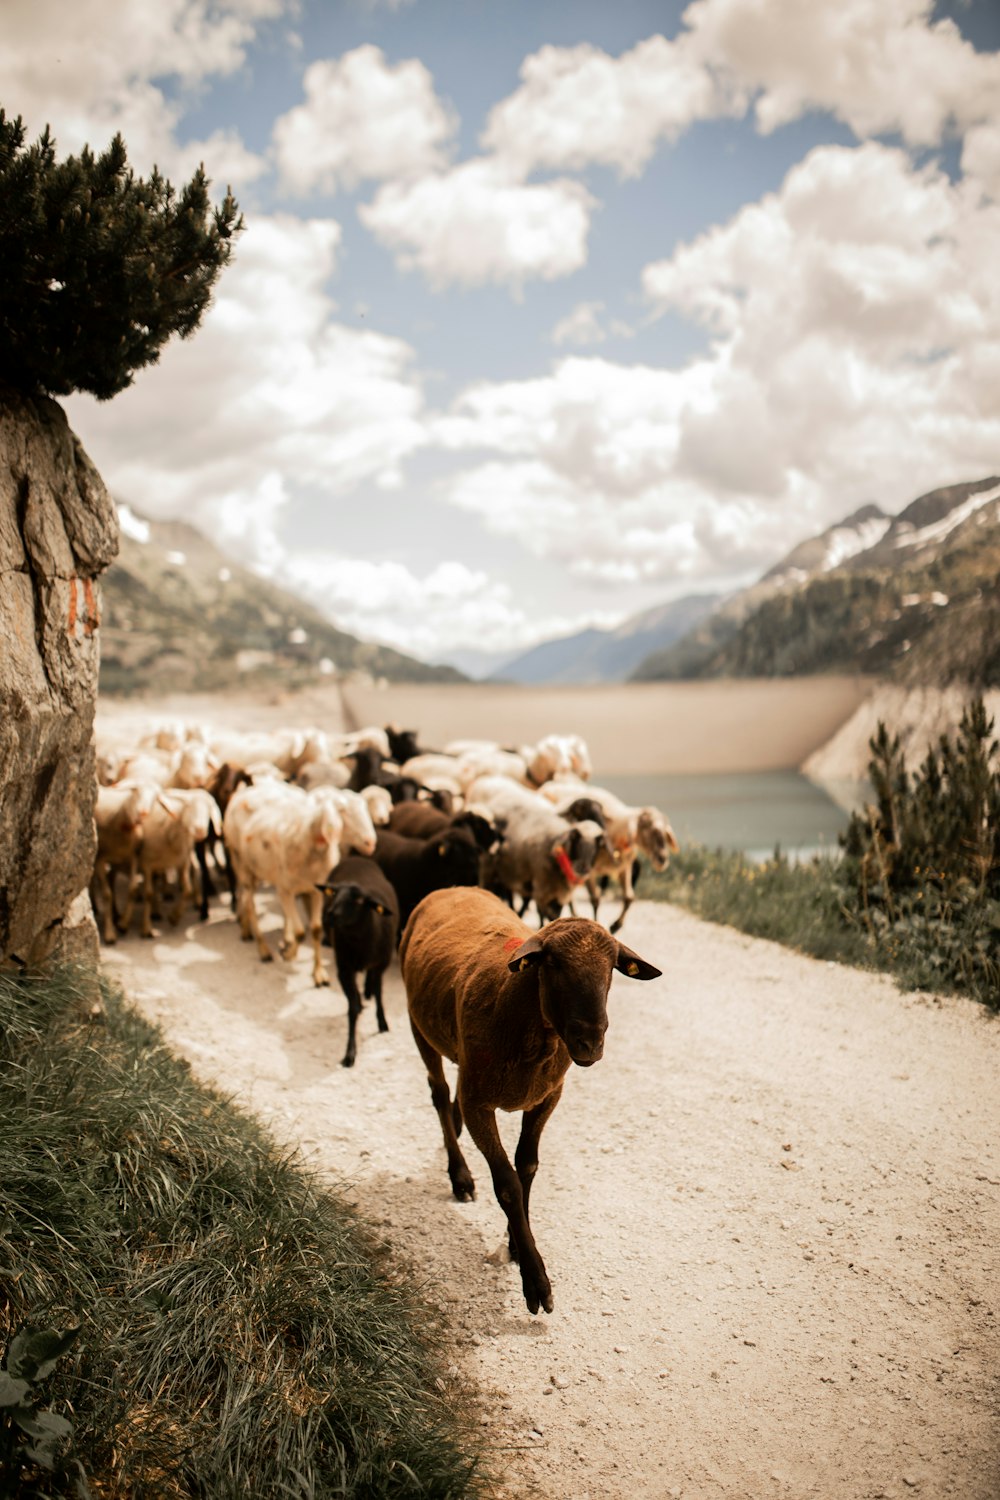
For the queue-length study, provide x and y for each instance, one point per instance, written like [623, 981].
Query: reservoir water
[748, 811]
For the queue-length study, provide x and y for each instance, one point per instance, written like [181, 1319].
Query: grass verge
[241, 1332]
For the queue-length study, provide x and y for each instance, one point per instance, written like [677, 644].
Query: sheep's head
[349, 907]
[455, 856]
[656, 838]
[576, 850]
[574, 960]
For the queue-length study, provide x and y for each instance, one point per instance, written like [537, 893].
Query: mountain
[180, 615]
[915, 597]
[594, 655]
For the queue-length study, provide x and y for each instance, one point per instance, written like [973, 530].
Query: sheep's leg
[482, 1124]
[593, 891]
[230, 877]
[207, 883]
[349, 985]
[100, 889]
[248, 901]
[133, 881]
[146, 927]
[373, 991]
[315, 902]
[526, 1156]
[182, 892]
[462, 1184]
[628, 893]
[294, 930]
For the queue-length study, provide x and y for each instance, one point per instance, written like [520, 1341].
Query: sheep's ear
[326, 888]
[635, 967]
[530, 952]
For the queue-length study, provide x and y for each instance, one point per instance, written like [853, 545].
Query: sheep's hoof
[383, 1025]
[463, 1187]
[537, 1294]
[347, 1061]
[267, 957]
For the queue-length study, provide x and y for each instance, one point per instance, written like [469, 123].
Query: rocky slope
[179, 614]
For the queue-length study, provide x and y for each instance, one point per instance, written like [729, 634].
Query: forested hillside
[920, 605]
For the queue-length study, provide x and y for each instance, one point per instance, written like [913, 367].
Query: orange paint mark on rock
[71, 622]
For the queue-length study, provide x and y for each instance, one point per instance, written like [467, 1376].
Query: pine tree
[99, 268]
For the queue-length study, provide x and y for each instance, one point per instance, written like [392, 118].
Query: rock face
[58, 531]
[919, 716]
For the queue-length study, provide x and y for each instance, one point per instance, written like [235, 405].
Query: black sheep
[361, 921]
[402, 743]
[418, 866]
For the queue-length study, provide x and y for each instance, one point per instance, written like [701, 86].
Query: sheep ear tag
[635, 967]
[529, 952]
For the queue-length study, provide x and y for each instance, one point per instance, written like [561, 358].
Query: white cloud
[272, 394]
[577, 105]
[477, 224]
[882, 67]
[87, 69]
[857, 317]
[981, 158]
[587, 323]
[362, 119]
[424, 616]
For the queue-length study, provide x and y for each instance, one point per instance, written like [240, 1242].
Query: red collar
[562, 860]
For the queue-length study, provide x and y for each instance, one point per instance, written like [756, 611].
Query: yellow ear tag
[441, 850]
[633, 970]
[380, 910]
[524, 964]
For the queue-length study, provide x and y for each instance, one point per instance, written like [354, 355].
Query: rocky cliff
[58, 531]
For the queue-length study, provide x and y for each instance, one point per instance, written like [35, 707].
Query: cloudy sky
[547, 310]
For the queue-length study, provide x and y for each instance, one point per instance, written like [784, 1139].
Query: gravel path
[771, 1214]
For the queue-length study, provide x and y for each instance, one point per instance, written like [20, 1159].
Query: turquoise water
[751, 811]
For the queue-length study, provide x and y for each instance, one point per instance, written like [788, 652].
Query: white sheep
[119, 814]
[281, 836]
[558, 756]
[288, 749]
[179, 820]
[379, 804]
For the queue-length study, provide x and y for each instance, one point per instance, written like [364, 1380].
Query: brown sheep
[513, 1008]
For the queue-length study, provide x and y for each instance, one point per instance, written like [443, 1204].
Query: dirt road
[771, 1214]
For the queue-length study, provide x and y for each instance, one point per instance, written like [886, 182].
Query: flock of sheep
[393, 848]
